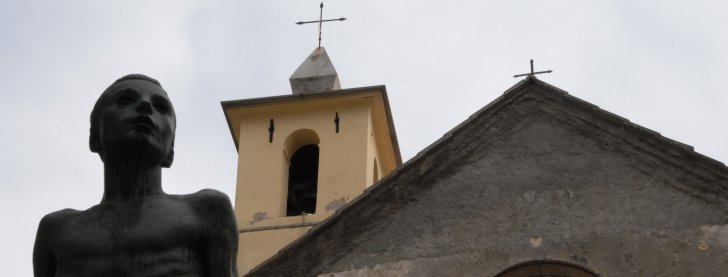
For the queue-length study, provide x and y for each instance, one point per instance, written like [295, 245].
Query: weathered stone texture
[315, 74]
[536, 175]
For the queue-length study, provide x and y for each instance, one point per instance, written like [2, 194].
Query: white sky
[661, 64]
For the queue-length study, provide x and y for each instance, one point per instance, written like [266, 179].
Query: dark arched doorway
[545, 269]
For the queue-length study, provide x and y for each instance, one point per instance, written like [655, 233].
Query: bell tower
[303, 156]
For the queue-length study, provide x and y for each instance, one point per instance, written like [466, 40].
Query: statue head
[134, 120]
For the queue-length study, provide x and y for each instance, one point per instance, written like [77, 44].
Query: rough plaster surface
[539, 176]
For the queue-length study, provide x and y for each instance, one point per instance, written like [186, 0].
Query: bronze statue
[137, 229]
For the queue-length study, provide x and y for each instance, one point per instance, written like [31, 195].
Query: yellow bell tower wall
[268, 131]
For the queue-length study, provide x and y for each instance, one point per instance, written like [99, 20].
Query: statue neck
[126, 180]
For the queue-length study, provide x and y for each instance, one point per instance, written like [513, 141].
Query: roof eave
[231, 104]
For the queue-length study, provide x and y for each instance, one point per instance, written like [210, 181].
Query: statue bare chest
[137, 238]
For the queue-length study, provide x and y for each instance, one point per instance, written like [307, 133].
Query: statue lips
[144, 124]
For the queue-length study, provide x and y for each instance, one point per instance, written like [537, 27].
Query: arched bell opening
[303, 181]
[302, 172]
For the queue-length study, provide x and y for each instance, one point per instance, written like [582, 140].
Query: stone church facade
[536, 183]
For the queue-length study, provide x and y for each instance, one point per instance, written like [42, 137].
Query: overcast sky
[661, 64]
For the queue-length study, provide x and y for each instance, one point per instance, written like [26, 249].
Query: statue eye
[161, 107]
[126, 97]
[161, 104]
[125, 100]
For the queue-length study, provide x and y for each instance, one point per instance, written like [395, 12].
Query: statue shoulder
[209, 197]
[51, 225]
[44, 258]
[210, 194]
[211, 203]
[220, 230]
[55, 220]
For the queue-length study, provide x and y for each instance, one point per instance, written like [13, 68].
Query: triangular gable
[523, 117]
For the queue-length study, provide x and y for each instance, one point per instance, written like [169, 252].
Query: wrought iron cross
[532, 73]
[320, 21]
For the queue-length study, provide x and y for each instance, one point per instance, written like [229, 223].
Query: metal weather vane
[532, 73]
[320, 21]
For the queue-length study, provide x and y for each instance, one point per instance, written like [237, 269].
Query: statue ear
[170, 157]
[94, 143]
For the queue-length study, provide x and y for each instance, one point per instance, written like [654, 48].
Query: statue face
[137, 122]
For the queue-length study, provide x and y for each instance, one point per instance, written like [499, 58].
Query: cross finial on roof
[320, 21]
[532, 73]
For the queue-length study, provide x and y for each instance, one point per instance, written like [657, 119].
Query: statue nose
[145, 107]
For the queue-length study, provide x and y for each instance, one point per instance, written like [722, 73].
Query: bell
[307, 202]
